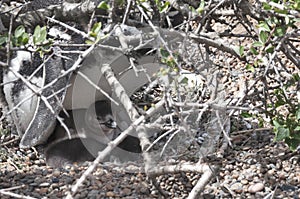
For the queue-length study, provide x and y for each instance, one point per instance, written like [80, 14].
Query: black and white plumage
[23, 115]
[28, 74]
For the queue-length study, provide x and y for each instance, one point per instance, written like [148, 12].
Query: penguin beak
[110, 124]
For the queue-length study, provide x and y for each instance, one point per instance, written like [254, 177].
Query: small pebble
[32, 156]
[43, 190]
[237, 187]
[235, 174]
[110, 194]
[55, 180]
[45, 184]
[109, 187]
[244, 181]
[256, 187]
[56, 173]
[55, 185]
[126, 192]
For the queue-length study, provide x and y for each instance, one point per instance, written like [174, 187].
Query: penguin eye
[26, 62]
[110, 121]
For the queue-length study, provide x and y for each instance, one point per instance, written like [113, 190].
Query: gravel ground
[255, 167]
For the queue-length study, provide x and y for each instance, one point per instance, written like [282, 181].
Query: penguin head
[99, 118]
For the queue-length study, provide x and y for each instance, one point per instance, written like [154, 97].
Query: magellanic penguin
[23, 83]
[38, 120]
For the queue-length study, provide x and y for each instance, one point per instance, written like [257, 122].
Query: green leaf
[279, 102]
[282, 133]
[93, 34]
[254, 51]
[296, 77]
[276, 124]
[165, 7]
[266, 6]
[43, 33]
[20, 30]
[250, 67]
[97, 28]
[297, 5]
[89, 42]
[263, 36]
[245, 114]
[270, 49]
[185, 80]
[292, 143]
[285, 12]
[39, 35]
[37, 31]
[263, 26]
[280, 31]
[3, 40]
[164, 53]
[45, 48]
[42, 53]
[239, 50]
[201, 7]
[257, 44]
[24, 39]
[270, 22]
[103, 5]
[296, 20]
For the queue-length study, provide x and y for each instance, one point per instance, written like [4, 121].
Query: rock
[126, 192]
[289, 188]
[110, 194]
[235, 174]
[109, 186]
[55, 180]
[43, 190]
[45, 184]
[256, 187]
[142, 188]
[237, 187]
[93, 194]
[56, 173]
[244, 181]
[282, 175]
[32, 156]
[55, 185]
[271, 172]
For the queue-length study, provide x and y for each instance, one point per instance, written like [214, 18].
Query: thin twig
[10, 141]
[83, 34]
[125, 17]
[202, 182]
[14, 195]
